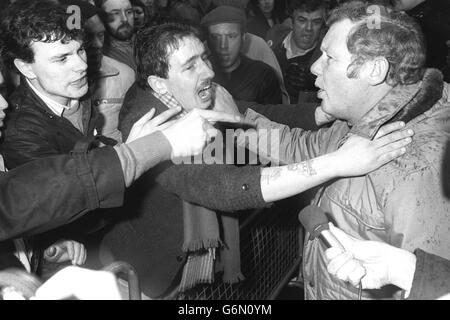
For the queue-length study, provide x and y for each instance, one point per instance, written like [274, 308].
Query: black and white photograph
[225, 157]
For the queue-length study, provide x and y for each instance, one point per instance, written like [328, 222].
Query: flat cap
[224, 14]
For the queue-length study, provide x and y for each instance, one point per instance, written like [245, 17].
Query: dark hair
[397, 37]
[99, 3]
[306, 5]
[27, 21]
[154, 45]
[138, 3]
[279, 12]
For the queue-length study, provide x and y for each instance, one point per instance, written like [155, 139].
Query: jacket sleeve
[284, 145]
[432, 277]
[300, 115]
[47, 193]
[216, 186]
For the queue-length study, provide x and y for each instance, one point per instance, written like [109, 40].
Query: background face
[139, 17]
[225, 40]
[95, 34]
[59, 70]
[190, 75]
[266, 6]
[307, 27]
[120, 18]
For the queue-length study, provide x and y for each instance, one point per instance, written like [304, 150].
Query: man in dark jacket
[245, 78]
[300, 48]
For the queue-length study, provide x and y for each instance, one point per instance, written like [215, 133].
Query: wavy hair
[383, 33]
[28, 21]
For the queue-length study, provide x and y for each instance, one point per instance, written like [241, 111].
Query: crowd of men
[106, 103]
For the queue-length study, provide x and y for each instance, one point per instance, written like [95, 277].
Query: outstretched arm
[230, 188]
[357, 156]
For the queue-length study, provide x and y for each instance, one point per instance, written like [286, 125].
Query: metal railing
[270, 255]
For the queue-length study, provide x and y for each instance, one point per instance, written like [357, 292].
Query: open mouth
[80, 82]
[205, 93]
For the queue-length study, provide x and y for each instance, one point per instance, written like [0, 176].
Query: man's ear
[377, 71]
[157, 84]
[25, 69]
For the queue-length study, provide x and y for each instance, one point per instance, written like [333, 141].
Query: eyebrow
[193, 58]
[59, 56]
[65, 54]
[189, 60]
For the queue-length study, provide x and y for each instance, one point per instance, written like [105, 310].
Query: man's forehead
[224, 28]
[336, 37]
[56, 48]
[320, 13]
[110, 5]
[94, 25]
[188, 49]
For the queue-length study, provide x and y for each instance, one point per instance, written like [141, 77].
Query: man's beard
[123, 32]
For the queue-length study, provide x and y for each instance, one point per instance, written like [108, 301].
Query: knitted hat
[224, 14]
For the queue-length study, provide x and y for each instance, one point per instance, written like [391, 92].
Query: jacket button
[180, 258]
[245, 187]
[311, 284]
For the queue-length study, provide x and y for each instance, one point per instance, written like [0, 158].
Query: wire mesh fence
[270, 253]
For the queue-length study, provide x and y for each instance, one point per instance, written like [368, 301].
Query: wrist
[171, 141]
[402, 268]
[337, 165]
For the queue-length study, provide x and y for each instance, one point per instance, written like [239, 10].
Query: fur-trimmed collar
[402, 103]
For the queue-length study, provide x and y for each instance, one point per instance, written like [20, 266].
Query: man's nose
[123, 16]
[207, 71]
[309, 26]
[81, 62]
[316, 67]
[224, 43]
[3, 103]
[97, 43]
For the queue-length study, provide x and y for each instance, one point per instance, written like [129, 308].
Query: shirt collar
[169, 101]
[54, 106]
[294, 51]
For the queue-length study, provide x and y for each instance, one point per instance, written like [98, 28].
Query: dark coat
[431, 277]
[48, 193]
[252, 80]
[33, 131]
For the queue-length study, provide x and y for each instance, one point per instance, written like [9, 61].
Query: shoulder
[137, 102]
[26, 119]
[257, 67]
[422, 168]
[276, 35]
